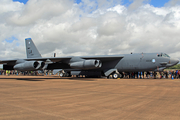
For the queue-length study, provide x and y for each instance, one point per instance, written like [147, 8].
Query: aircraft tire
[61, 74]
[115, 75]
[121, 75]
[67, 74]
[109, 77]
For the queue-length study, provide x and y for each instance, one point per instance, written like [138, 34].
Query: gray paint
[31, 50]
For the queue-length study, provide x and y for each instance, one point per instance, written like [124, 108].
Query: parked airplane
[101, 65]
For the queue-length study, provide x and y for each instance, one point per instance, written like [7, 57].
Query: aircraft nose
[174, 61]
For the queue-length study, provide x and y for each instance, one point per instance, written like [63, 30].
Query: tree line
[175, 67]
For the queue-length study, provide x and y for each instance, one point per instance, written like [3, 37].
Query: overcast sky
[89, 27]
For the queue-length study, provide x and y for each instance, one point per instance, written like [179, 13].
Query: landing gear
[121, 75]
[115, 75]
[61, 74]
[64, 74]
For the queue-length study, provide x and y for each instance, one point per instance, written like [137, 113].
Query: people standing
[178, 73]
[155, 75]
[172, 74]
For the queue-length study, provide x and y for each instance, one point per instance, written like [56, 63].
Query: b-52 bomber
[90, 66]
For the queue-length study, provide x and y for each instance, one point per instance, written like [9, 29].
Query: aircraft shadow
[79, 79]
[24, 79]
[29, 79]
[52, 78]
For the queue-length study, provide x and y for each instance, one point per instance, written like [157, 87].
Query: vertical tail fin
[31, 50]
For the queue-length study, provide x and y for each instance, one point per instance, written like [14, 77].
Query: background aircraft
[101, 65]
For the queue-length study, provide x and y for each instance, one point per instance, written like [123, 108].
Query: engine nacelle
[42, 65]
[86, 64]
[29, 66]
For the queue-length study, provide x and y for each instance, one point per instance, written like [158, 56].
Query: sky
[156, 3]
[89, 27]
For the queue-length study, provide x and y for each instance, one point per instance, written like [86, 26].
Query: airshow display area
[70, 94]
[114, 60]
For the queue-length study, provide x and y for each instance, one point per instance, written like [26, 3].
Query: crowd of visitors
[15, 72]
[173, 74]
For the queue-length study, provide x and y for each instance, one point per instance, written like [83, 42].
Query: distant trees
[175, 67]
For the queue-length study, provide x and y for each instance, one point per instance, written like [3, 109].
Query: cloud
[7, 6]
[88, 28]
[35, 10]
[173, 3]
[136, 4]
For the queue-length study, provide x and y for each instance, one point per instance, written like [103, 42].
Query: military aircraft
[100, 65]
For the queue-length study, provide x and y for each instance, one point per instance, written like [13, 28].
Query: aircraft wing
[56, 59]
[8, 61]
[53, 59]
[61, 59]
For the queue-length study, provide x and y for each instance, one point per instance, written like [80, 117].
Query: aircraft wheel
[121, 75]
[61, 74]
[115, 75]
[109, 77]
[67, 74]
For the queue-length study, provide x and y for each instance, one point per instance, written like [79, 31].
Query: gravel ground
[51, 97]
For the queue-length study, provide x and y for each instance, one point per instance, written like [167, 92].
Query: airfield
[51, 97]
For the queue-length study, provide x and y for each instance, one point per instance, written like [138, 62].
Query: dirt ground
[50, 98]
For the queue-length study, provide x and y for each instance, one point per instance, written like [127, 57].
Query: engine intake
[42, 64]
[86, 64]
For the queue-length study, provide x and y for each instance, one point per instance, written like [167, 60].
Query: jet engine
[42, 64]
[29, 66]
[86, 64]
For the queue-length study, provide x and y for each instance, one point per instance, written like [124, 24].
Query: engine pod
[28, 66]
[86, 64]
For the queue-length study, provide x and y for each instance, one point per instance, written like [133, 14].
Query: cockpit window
[166, 55]
[163, 55]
